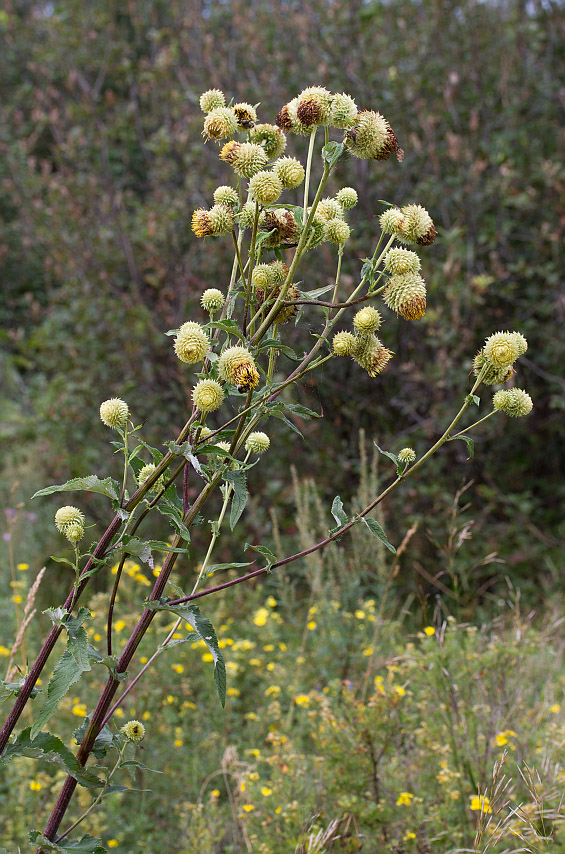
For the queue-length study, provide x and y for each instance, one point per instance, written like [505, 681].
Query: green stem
[466, 430]
[308, 168]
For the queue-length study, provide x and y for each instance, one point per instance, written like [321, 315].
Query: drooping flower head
[406, 295]
[114, 413]
[207, 395]
[191, 343]
[237, 366]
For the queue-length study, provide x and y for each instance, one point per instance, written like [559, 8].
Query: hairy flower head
[265, 187]
[343, 111]
[271, 138]
[417, 226]
[343, 343]
[401, 261]
[347, 198]
[246, 115]
[513, 401]
[67, 516]
[134, 731]
[191, 343]
[212, 299]
[114, 413]
[290, 171]
[337, 230]
[74, 532]
[371, 354]
[520, 341]
[211, 100]
[257, 442]
[262, 276]
[207, 395]
[146, 472]
[225, 195]
[406, 295]
[237, 366]
[220, 123]
[313, 106]
[391, 221]
[406, 455]
[246, 215]
[501, 349]
[246, 158]
[372, 138]
[367, 320]
[329, 209]
[493, 375]
[215, 222]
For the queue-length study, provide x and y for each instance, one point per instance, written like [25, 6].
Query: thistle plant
[233, 351]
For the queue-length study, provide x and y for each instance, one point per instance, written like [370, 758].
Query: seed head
[279, 271]
[225, 195]
[211, 100]
[337, 231]
[493, 375]
[367, 320]
[207, 395]
[284, 225]
[68, 516]
[513, 401]
[317, 230]
[417, 227]
[501, 349]
[406, 455]
[257, 442]
[347, 198]
[114, 413]
[246, 158]
[372, 138]
[191, 343]
[313, 106]
[236, 365]
[329, 209]
[290, 171]
[212, 300]
[343, 343]
[391, 221]
[220, 123]
[134, 731]
[246, 115]
[406, 295]
[265, 187]
[399, 261]
[271, 138]
[287, 119]
[343, 111]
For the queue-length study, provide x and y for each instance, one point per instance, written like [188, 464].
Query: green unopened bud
[513, 401]
[227, 196]
[207, 395]
[329, 209]
[246, 216]
[347, 198]
[406, 456]
[191, 343]
[337, 231]
[343, 344]
[290, 171]
[68, 516]
[257, 442]
[220, 123]
[501, 349]
[367, 320]
[74, 533]
[114, 413]
[391, 221]
[265, 187]
[211, 100]
[134, 731]
[212, 300]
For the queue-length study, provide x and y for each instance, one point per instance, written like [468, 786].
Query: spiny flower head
[271, 138]
[207, 395]
[372, 138]
[406, 455]
[329, 209]
[391, 221]
[343, 343]
[347, 197]
[237, 366]
[213, 223]
[246, 158]
[191, 343]
[367, 320]
[513, 401]
[501, 349]
[212, 300]
[74, 533]
[246, 215]
[146, 472]
[134, 731]
[262, 276]
[265, 187]
[220, 123]
[401, 261]
[417, 226]
[290, 171]
[337, 230]
[343, 111]
[257, 442]
[114, 413]
[493, 375]
[279, 271]
[371, 354]
[245, 114]
[521, 343]
[284, 224]
[67, 516]
[313, 106]
[225, 195]
[317, 231]
[211, 100]
[406, 295]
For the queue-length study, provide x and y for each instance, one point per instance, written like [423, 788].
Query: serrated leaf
[91, 483]
[62, 560]
[338, 512]
[67, 671]
[85, 845]
[51, 749]
[388, 454]
[133, 763]
[8, 690]
[205, 631]
[275, 344]
[217, 567]
[331, 152]
[238, 482]
[175, 518]
[470, 445]
[185, 450]
[298, 409]
[138, 548]
[376, 529]
[262, 550]
[229, 326]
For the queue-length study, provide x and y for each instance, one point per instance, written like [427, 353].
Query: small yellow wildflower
[119, 713]
[255, 662]
[271, 602]
[265, 791]
[271, 666]
[251, 716]
[261, 617]
[4, 651]
[120, 626]
[35, 786]
[368, 650]
[22, 567]
[79, 710]
[234, 692]
[409, 836]
[269, 647]
[17, 599]
[302, 700]
[145, 716]
[555, 709]
[178, 668]
[282, 647]
[178, 742]
[215, 793]
[207, 657]
[248, 808]
[157, 571]
[360, 614]
[272, 689]
[143, 659]
[311, 625]
[404, 799]
[112, 843]
[398, 689]
[480, 803]
[429, 631]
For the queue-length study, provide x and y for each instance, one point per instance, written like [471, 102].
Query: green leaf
[51, 749]
[288, 423]
[205, 631]
[298, 409]
[91, 483]
[275, 344]
[12, 689]
[263, 550]
[68, 670]
[229, 326]
[388, 454]
[317, 293]
[470, 445]
[133, 763]
[473, 398]
[331, 152]
[85, 845]
[103, 742]
[338, 512]
[138, 548]
[238, 481]
[376, 529]
[166, 508]
[217, 567]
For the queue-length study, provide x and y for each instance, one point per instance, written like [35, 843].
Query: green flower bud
[205, 432]
[263, 276]
[271, 138]
[371, 354]
[343, 111]
[417, 226]
[74, 533]
[225, 195]
[114, 413]
[406, 295]
[329, 209]
[236, 365]
[501, 349]
[265, 187]
[191, 343]
[220, 123]
[367, 320]
[134, 731]
[391, 221]
[246, 216]
[246, 115]
[207, 395]
[343, 343]
[290, 171]
[406, 456]
[521, 343]
[513, 401]
[257, 442]
[347, 198]
[246, 158]
[212, 300]
[279, 271]
[337, 231]
[398, 261]
[146, 472]
[372, 138]
[211, 100]
[67, 517]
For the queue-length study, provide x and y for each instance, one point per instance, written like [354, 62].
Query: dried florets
[191, 343]
[406, 294]
[343, 343]
[207, 395]
[371, 354]
[246, 158]
[286, 312]
[213, 223]
[114, 413]
[236, 365]
[347, 197]
[68, 516]
[225, 195]
[270, 138]
[265, 187]
[212, 300]
[290, 171]
[283, 225]
[257, 442]
[372, 138]
[399, 261]
[220, 123]
[211, 100]
[246, 115]
[513, 401]
[343, 111]
[337, 231]
[501, 349]
[367, 320]
[313, 106]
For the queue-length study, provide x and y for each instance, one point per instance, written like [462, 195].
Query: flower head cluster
[493, 375]
[114, 413]
[316, 106]
[69, 521]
